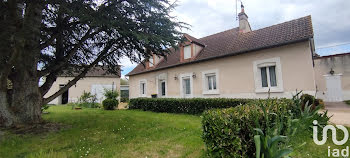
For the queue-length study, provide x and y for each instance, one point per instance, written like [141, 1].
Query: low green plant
[88, 100]
[109, 104]
[267, 147]
[305, 110]
[110, 93]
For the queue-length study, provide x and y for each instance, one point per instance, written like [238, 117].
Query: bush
[109, 104]
[110, 94]
[230, 132]
[311, 100]
[88, 100]
[124, 100]
[189, 106]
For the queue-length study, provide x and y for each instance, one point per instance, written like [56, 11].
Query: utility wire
[333, 45]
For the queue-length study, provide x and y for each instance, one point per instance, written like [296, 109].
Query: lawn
[127, 133]
[119, 133]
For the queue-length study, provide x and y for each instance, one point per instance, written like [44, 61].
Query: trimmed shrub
[230, 132]
[188, 106]
[110, 104]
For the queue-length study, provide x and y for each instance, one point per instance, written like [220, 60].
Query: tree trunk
[26, 99]
[6, 117]
[22, 106]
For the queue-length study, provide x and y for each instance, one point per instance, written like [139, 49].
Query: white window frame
[205, 88]
[143, 81]
[182, 76]
[257, 75]
[190, 53]
[159, 78]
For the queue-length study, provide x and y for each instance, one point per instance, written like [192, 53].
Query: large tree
[43, 39]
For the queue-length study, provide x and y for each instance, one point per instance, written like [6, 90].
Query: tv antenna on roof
[237, 9]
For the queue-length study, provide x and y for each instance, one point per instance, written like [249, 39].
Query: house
[238, 63]
[332, 75]
[96, 80]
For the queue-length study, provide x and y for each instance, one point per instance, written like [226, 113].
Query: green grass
[119, 133]
[129, 133]
[304, 145]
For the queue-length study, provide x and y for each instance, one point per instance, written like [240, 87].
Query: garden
[179, 128]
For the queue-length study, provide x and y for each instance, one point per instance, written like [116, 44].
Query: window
[186, 85]
[161, 84]
[162, 87]
[151, 61]
[268, 75]
[143, 88]
[210, 82]
[187, 52]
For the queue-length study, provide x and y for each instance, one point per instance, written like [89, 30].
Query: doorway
[64, 96]
[334, 91]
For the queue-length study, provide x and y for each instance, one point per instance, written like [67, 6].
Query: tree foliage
[45, 39]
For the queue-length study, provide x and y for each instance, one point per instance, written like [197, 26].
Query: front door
[64, 96]
[334, 91]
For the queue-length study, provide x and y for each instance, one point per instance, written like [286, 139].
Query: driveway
[340, 112]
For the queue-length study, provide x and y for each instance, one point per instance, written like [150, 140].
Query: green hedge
[229, 132]
[188, 106]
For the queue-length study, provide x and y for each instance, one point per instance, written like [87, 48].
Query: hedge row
[229, 132]
[188, 106]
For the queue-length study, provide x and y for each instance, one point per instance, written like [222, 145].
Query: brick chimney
[244, 25]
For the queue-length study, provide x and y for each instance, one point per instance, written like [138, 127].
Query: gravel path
[340, 112]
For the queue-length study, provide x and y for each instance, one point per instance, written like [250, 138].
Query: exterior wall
[84, 84]
[340, 65]
[236, 74]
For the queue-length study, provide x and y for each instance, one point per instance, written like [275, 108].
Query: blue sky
[330, 19]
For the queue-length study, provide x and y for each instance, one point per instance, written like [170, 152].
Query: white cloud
[330, 17]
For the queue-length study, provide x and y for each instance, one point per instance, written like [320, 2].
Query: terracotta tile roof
[193, 39]
[94, 72]
[231, 42]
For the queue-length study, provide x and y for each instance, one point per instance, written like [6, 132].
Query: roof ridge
[218, 33]
[308, 16]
